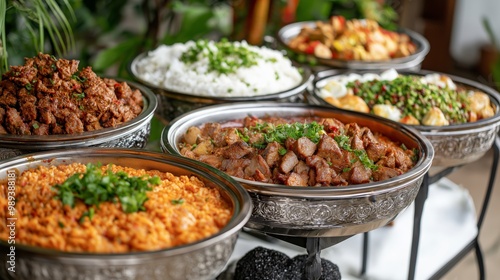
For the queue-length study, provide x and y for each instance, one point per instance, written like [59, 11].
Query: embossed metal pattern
[204, 259]
[202, 264]
[318, 211]
[298, 215]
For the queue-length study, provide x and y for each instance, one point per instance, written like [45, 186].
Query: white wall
[468, 34]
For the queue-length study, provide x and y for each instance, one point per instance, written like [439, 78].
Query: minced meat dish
[47, 96]
[303, 151]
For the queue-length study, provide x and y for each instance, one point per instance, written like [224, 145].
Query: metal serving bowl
[411, 62]
[317, 211]
[203, 259]
[173, 104]
[454, 145]
[132, 134]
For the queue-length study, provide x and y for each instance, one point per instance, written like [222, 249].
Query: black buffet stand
[419, 207]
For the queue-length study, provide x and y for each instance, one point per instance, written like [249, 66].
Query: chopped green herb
[346, 169]
[224, 57]
[403, 146]
[61, 225]
[93, 187]
[362, 156]
[79, 95]
[53, 57]
[35, 125]
[53, 66]
[281, 132]
[78, 78]
[52, 81]
[229, 90]
[242, 136]
[89, 214]
[82, 107]
[177, 201]
[282, 151]
[28, 86]
[194, 146]
[276, 75]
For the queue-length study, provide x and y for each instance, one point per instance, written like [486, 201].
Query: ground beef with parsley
[47, 96]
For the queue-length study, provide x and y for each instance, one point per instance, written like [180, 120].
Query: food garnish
[93, 187]
[224, 57]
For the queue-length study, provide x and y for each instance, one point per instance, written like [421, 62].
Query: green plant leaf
[313, 10]
[3, 45]
[496, 72]
[193, 24]
[110, 56]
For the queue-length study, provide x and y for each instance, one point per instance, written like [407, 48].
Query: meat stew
[47, 96]
[298, 151]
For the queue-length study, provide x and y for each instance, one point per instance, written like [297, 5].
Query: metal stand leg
[313, 268]
[491, 183]
[364, 260]
[419, 207]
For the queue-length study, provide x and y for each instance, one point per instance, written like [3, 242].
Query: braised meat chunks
[299, 151]
[50, 96]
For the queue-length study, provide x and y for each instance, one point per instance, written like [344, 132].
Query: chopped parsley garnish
[344, 143]
[94, 187]
[282, 151]
[35, 125]
[28, 86]
[279, 133]
[78, 78]
[224, 57]
[79, 95]
[177, 201]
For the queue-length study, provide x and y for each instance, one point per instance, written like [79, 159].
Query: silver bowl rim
[306, 73]
[31, 142]
[242, 210]
[426, 130]
[320, 193]
[423, 48]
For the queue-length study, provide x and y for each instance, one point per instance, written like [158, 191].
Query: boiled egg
[334, 89]
[389, 75]
[439, 80]
[435, 117]
[387, 111]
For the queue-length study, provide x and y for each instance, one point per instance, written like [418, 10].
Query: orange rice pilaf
[44, 221]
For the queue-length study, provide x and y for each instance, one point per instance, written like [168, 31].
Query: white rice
[162, 67]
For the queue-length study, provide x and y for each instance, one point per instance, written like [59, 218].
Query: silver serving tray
[132, 134]
[174, 103]
[454, 145]
[203, 259]
[317, 211]
[286, 33]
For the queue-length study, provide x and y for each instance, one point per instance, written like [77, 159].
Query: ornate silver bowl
[132, 134]
[173, 104]
[317, 211]
[453, 144]
[203, 259]
[286, 33]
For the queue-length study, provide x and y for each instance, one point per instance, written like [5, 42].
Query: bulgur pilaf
[179, 211]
